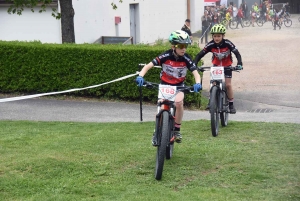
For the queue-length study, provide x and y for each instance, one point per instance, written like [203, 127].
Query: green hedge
[32, 67]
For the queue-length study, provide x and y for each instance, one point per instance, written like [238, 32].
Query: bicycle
[260, 19]
[246, 22]
[218, 102]
[284, 20]
[165, 122]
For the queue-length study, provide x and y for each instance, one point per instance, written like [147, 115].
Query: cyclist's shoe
[232, 110]
[154, 140]
[178, 137]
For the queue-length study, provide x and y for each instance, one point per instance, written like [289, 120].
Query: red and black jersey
[174, 68]
[221, 53]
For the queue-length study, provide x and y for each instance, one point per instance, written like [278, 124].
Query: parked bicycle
[218, 102]
[165, 122]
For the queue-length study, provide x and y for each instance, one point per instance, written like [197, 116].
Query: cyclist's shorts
[181, 84]
[227, 72]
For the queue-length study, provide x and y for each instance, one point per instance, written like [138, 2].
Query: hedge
[33, 67]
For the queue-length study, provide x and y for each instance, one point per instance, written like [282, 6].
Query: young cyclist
[174, 62]
[222, 49]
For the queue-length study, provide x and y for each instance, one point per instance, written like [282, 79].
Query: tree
[66, 15]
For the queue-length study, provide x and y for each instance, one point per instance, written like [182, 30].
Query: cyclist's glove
[239, 67]
[140, 81]
[197, 87]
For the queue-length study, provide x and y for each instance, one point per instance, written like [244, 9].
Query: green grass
[115, 161]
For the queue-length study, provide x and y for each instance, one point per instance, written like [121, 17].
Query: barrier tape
[66, 91]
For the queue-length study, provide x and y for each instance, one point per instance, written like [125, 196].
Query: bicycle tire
[224, 114]
[246, 22]
[214, 111]
[161, 149]
[170, 146]
[259, 22]
[288, 22]
[232, 24]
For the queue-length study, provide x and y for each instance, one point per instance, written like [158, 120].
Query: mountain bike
[165, 122]
[284, 20]
[218, 102]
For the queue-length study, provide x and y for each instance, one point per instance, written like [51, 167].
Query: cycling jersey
[221, 53]
[174, 68]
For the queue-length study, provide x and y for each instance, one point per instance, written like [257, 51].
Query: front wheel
[170, 146]
[259, 22]
[246, 22]
[161, 149]
[225, 105]
[288, 22]
[232, 24]
[214, 111]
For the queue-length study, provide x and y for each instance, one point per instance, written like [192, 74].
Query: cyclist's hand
[197, 87]
[139, 80]
[239, 67]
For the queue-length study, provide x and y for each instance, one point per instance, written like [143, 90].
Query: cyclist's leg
[178, 115]
[228, 77]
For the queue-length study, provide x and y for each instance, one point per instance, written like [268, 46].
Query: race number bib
[167, 92]
[217, 73]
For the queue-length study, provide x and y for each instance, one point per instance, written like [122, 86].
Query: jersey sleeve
[159, 60]
[189, 63]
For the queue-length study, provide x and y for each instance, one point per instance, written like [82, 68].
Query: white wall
[197, 10]
[156, 21]
[96, 18]
[29, 26]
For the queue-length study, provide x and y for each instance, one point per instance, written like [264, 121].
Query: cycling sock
[231, 102]
[177, 127]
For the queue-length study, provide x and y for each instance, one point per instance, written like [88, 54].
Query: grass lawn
[115, 161]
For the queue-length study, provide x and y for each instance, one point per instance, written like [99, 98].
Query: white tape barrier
[66, 91]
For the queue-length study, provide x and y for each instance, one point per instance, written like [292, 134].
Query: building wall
[29, 26]
[155, 20]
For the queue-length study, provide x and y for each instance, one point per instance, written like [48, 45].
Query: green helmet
[218, 29]
[179, 37]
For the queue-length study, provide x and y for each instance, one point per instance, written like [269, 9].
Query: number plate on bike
[217, 73]
[167, 92]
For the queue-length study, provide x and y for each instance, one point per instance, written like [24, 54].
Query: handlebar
[206, 68]
[151, 85]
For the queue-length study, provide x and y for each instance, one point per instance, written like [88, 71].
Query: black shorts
[227, 72]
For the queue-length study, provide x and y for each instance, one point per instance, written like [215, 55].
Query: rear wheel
[288, 22]
[214, 111]
[161, 149]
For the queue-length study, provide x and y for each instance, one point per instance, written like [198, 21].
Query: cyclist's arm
[145, 69]
[199, 56]
[196, 76]
[238, 56]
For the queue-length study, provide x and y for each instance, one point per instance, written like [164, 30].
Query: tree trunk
[67, 21]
